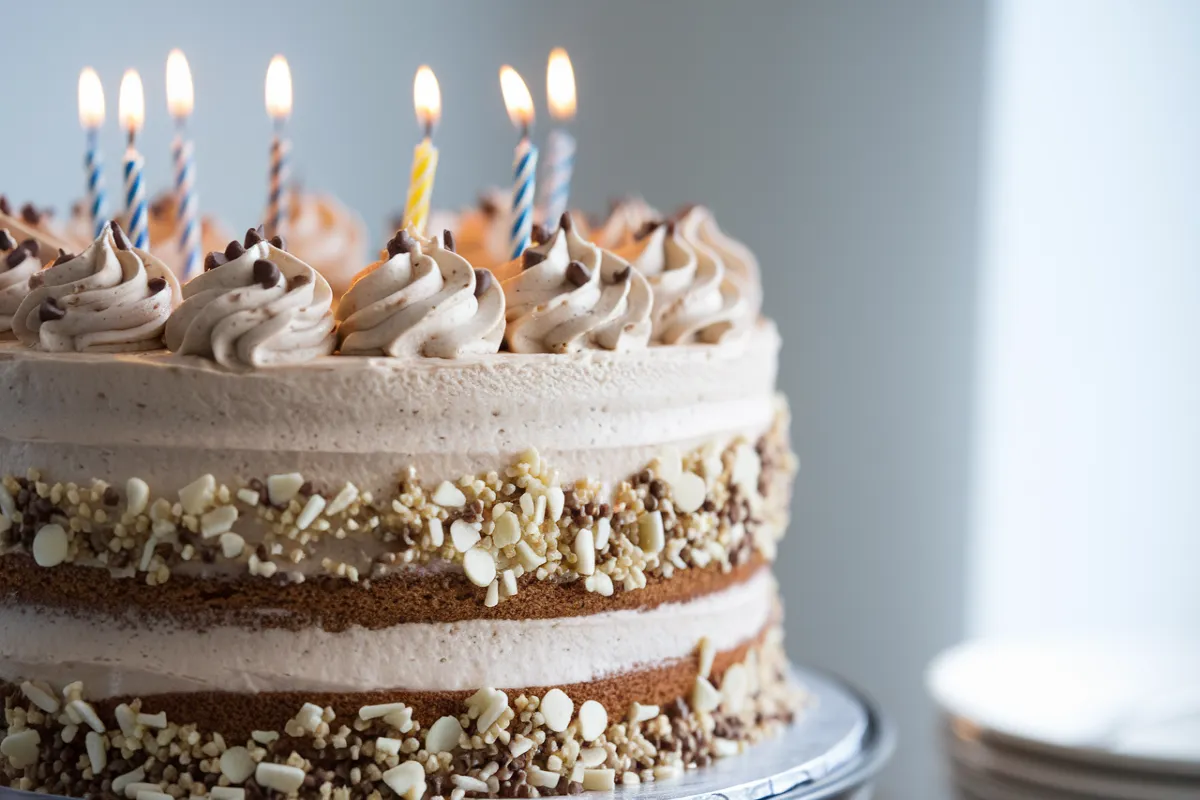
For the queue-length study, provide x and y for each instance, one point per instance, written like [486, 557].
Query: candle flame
[131, 103]
[279, 89]
[427, 98]
[560, 84]
[516, 97]
[180, 97]
[91, 99]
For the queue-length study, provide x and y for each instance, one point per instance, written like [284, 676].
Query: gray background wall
[839, 139]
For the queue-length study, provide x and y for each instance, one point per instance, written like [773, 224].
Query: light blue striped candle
[95, 182]
[556, 178]
[187, 221]
[135, 198]
[524, 170]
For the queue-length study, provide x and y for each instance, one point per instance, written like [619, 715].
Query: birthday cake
[454, 532]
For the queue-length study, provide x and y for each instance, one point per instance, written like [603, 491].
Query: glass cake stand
[833, 751]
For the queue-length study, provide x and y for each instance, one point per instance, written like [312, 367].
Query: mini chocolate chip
[31, 247]
[36, 280]
[578, 274]
[299, 280]
[402, 242]
[30, 214]
[648, 227]
[621, 275]
[50, 311]
[111, 498]
[565, 222]
[161, 206]
[233, 250]
[448, 241]
[538, 233]
[7, 242]
[266, 274]
[531, 258]
[15, 257]
[63, 257]
[119, 236]
[156, 285]
[278, 242]
[214, 260]
[483, 281]
[254, 236]
[671, 228]
[488, 206]
[5, 208]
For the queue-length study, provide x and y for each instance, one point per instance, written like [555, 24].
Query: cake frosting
[694, 298]
[112, 297]
[443, 533]
[326, 235]
[423, 299]
[626, 219]
[567, 294]
[256, 305]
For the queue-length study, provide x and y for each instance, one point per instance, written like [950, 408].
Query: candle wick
[132, 137]
[429, 129]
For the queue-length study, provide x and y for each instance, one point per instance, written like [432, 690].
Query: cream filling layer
[115, 658]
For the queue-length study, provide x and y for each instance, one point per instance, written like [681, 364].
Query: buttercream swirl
[18, 263]
[568, 294]
[261, 308]
[625, 221]
[112, 297]
[423, 299]
[698, 226]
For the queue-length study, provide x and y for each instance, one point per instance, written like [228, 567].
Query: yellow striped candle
[427, 98]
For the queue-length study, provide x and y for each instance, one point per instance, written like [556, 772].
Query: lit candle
[279, 108]
[427, 98]
[180, 101]
[131, 109]
[560, 145]
[520, 110]
[91, 117]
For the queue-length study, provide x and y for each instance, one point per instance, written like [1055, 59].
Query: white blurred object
[1087, 493]
[1111, 717]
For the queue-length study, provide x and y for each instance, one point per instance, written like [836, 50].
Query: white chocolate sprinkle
[97, 751]
[312, 509]
[21, 747]
[236, 764]
[688, 492]
[120, 782]
[447, 495]
[198, 495]
[158, 720]
[598, 780]
[704, 696]
[227, 793]
[707, 652]
[464, 535]
[650, 532]
[585, 552]
[507, 530]
[137, 495]
[87, 714]
[309, 716]
[248, 496]
[406, 780]
[283, 487]
[51, 546]
[436, 535]
[734, 688]
[342, 500]
[603, 529]
[280, 777]
[542, 779]
[40, 697]
[443, 735]
[469, 784]
[641, 713]
[480, 566]
[593, 720]
[218, 521]
[555, 501]
[232, 545]
[388, 746]
[557, 708]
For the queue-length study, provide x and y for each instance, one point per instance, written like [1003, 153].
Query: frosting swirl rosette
[568, 294]
[423, 299]
[626, 219]
[698, 226]
[112, 297]
[256, 305]
[18, 263]
[694, 298]
[328, 236]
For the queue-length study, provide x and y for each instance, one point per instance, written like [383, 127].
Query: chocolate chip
[214, 260]
[448, 241]
[162, 206]
[111, 498]
[483, 281]
[49, 311]
[30, 214]
[266, 274]
[565, 222]
[254, 236]
[119, 236]
[488, 206]
[36, 280]
[278, 242]
[538, 234]
[5, 208]
[156, 285]
[63, 257]
[7, 242]
[578, 274]
[233, 250]
[14, 258]
[299, 280]
[402, 242]
[622, 275]
[531, 258]
[31, 247]
[648, 227]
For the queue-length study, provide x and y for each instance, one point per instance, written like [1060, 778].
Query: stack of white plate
[1095, 719]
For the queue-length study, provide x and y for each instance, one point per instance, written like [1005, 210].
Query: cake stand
[833, 751]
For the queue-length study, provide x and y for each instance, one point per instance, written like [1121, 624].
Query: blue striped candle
[95, 182]
[135, 199]
[186, 219]
[524, 170]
